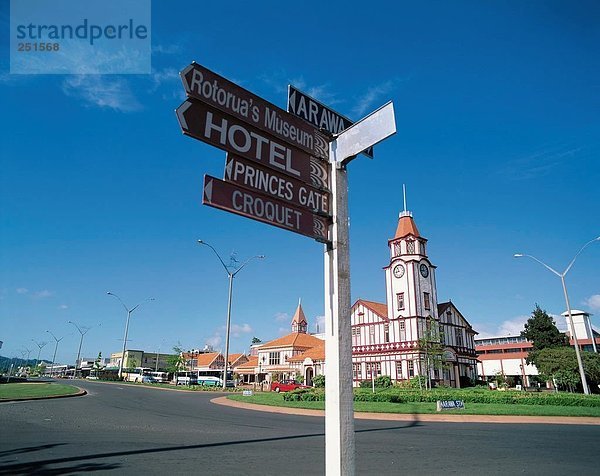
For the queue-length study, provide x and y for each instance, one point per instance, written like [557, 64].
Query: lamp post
[231, 275]
[83, 331]
[40, 345]
[129, 312]
[55, 349]
[562, 275]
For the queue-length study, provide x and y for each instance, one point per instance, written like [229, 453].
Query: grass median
[275, 399]
[12, 391]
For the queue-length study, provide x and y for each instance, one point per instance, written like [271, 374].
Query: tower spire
[405, 213]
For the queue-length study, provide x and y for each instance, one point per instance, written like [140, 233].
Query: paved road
[133, 430]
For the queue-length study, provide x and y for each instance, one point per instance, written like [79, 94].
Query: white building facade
[388, 339]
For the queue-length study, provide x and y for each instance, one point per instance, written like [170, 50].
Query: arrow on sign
[181, 114]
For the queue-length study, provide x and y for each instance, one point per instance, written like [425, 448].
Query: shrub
[418, 382]
[319, 381]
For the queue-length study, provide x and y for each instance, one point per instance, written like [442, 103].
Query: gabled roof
[233, 358]
[406, 226]
[444, 306]
[378, 308]
[295, 339]
[252, 363]
[206, 360]
[315, 353]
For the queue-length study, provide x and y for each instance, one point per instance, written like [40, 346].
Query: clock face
[424, 270]
[399, 271]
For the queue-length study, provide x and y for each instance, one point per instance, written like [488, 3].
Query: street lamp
[40, 345]
[231, 275]
[562, 275]
[83, 331]
[129, 312]
[55, 349]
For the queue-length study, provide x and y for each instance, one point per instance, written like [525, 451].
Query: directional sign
[202, 84]
[226, 132]
[235, 199]
[261, 179]
[367, 132]
[318, 114]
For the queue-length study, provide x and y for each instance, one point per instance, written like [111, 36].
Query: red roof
[378, 308]
[315, 353]
[299, 316]
[294, 339]
[406, 226]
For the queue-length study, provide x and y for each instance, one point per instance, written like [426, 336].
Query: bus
[160, 377]
[136, 374]
[214, 378]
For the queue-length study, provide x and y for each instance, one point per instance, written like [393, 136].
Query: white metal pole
[584, 384]
[227, 327]
[339, 412]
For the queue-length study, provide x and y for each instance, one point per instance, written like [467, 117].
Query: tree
[431, 345]
[256, 340]
[541, 330]
[560, 365]
[319, 381]
[175, 362]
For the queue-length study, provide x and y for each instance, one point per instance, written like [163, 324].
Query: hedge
[468, 396]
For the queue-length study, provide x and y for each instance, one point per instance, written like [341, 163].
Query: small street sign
[254, 176]
[202, 84]
[367, 132]
[245, 202]
[210, 125]
[318, 114]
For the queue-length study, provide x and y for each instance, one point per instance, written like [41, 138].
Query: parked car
[286, 386]
[148, 379]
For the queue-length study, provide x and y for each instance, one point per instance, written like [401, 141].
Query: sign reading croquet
[276, 171]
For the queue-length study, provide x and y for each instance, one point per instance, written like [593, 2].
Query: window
[356, 336]
[411, 369]
[386, 332]
[441, 334]
[400, 301]
[274, 358]
[371, 334]
[361, 315]
[410, 247]
[422, 247]
[402, 327]
[373, 369]
[356, 371]
[397, 250]
[426, 301]
[459, 337]
[399, 374]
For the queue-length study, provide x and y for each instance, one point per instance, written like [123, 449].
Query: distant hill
[5, 362]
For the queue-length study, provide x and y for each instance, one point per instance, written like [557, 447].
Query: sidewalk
[441, 417]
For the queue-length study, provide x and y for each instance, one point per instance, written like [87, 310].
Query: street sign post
[318, 114]
[245, 202]
[261, 179]
[228, 133]
[210, 88]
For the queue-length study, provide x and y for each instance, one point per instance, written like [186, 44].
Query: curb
[81, 393]
[425, 417]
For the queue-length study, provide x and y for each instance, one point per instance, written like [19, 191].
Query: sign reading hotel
[277, 169]
[202, 84]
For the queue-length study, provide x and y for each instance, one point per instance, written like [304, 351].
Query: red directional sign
[221, 130]
[254, 176]
[235, 199]
[206, 86]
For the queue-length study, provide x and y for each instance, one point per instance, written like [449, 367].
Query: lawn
[274, 399]
[32, 390]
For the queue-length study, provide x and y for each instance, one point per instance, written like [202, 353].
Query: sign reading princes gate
[276, 171]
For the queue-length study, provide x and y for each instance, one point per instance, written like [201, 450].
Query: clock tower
[410, 280]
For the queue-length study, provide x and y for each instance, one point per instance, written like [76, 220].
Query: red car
[286, 386]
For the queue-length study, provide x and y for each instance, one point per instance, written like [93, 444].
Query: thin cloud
[166, 49]
[237, 330]
[509, 327]
[63, 306]
[320, 324]
[373, 95]
[593, 302]
[44, 293]
[214, 341]
[282, 317]
[539, 163]
[22, 290]
[102, 91]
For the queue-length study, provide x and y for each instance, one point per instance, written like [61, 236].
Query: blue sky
[498, 117]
